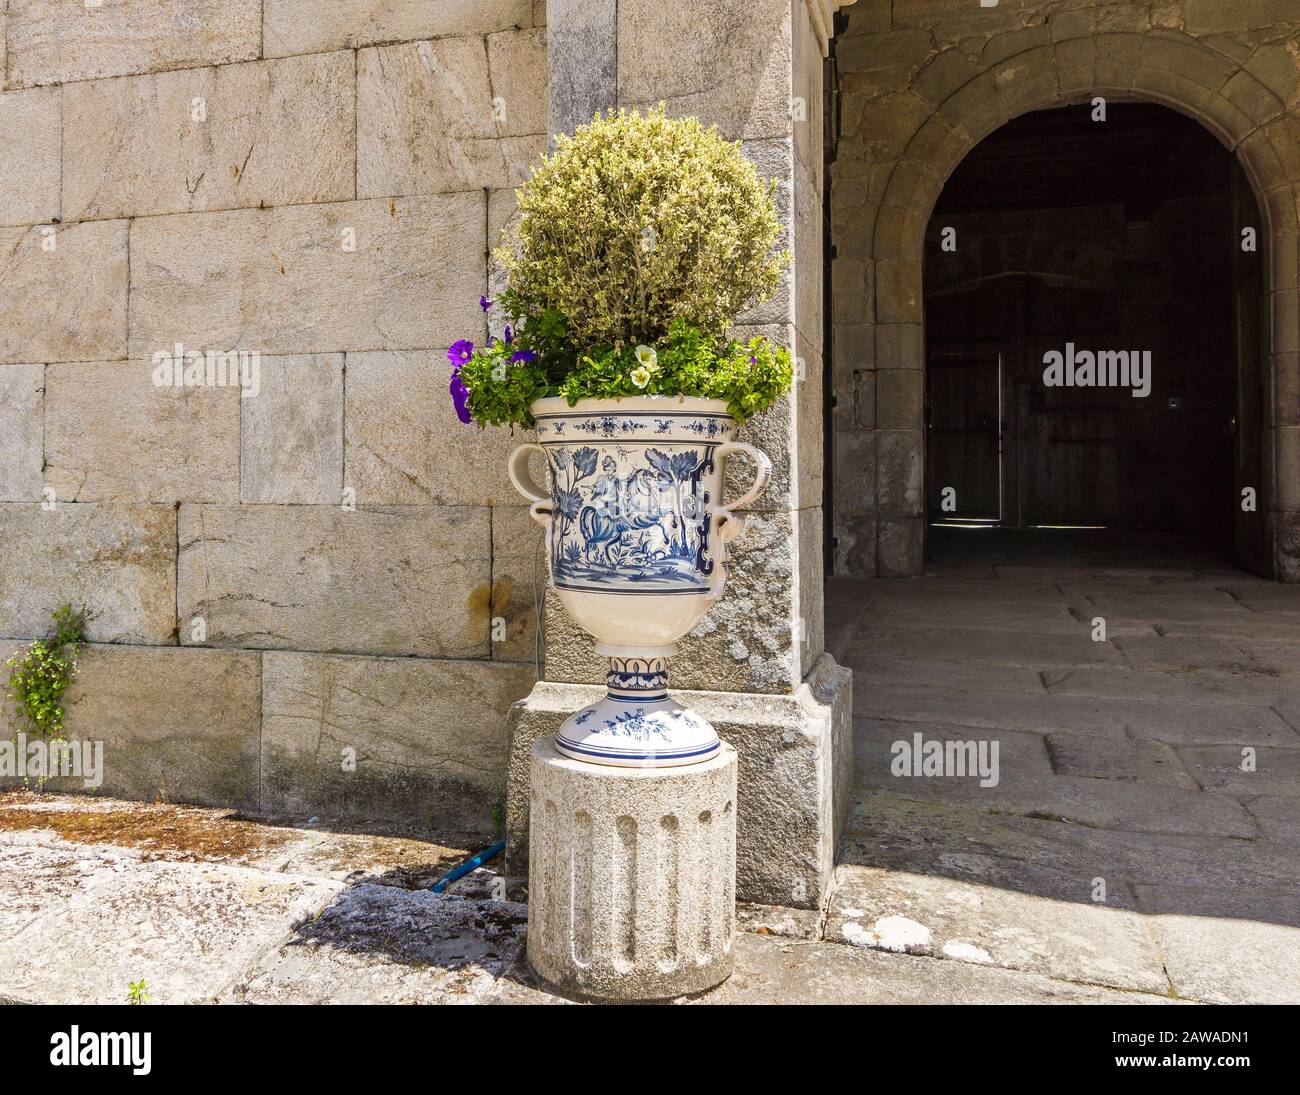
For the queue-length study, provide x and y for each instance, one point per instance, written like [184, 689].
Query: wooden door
[964, 470]
[1070, 451]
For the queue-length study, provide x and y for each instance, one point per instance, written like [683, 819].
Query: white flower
[641, 376]
[647, 358]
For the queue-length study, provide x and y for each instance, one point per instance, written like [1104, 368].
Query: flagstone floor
[1126, 854]
[1144, 832]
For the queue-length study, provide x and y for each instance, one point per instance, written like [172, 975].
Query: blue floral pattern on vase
[637, 721]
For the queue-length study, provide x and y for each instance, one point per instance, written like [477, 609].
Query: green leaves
[41, 674]
[749, 376]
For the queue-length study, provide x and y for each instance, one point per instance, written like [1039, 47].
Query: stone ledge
[796, 775]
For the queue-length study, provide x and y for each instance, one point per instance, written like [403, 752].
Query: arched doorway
[905, 124]
[1093, 322]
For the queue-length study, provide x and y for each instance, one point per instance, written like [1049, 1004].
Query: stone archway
[889, 174]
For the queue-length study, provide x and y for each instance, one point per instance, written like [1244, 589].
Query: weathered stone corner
[796, 775]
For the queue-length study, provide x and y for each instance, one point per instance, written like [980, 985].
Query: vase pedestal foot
[631, 876]
[636, 725]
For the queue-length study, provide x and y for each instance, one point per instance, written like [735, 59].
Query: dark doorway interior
[1103, 242]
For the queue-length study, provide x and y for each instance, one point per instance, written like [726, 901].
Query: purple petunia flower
[510, 335]
[523, 355]
[461, 351]
[484, 303]
[460, 396]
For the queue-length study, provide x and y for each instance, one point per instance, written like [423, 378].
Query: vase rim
[689, 404]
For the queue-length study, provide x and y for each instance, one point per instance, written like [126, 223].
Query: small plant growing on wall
[40, 674]
[641, 238]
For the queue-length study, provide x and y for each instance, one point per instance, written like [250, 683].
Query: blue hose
[469, 865]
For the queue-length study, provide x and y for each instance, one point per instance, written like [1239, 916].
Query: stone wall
[921, 83]
[333, 567]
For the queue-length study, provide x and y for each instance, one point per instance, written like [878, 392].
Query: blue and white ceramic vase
[636, 536]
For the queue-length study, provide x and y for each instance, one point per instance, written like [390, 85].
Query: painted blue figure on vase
[638, 519]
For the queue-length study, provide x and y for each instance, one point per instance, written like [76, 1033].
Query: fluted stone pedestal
[631, 876]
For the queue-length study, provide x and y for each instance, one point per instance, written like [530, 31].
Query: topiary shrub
[639, 220]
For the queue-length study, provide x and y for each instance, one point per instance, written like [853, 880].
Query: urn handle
[729, 525]
[517, 466]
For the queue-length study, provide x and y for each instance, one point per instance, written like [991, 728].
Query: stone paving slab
[1190, 654]
[886, 830]
[1243, 627]
[380, 944]
[1134, 590]
[1258, 691]
[389, 860]
[1047, 923]
[979, 614]
[842, 622]
[1163, 606]
[989, 708]
[1280, 657]
[1178, 723]
[1027, 786]
[1139, 761]
[1264, 596]
[1117, 626]
[988, 646]
[1184, 618]
[1219, 768]
[1022, 756]
[1278, 818]
[946, 591]
[204, 906]
[1289, 712]
[1227, 947]
[1101, 573]
[184, 833]
[871, 671]
[80, 923]
[1143, 800]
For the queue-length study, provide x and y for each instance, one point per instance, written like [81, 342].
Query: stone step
[1039, 921]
